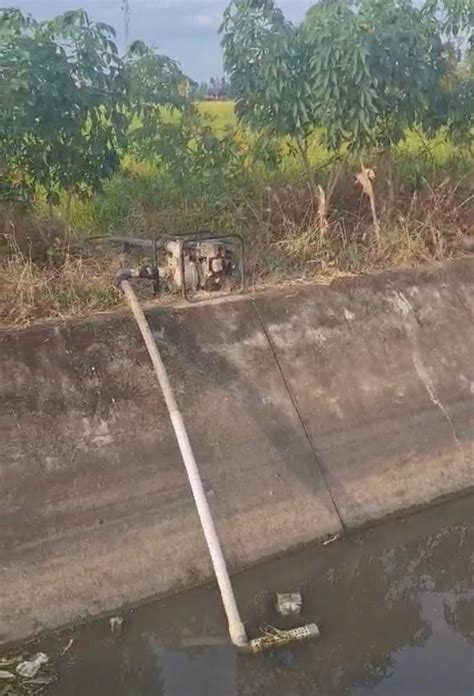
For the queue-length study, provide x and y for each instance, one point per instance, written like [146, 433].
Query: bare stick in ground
[322, 212]
[365, 178]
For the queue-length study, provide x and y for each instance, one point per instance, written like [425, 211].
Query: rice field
[222, 112]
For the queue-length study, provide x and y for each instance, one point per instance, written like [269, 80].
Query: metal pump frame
[157, 243]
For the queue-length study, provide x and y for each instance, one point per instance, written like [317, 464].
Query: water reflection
[195, 672]
[395, 605]
[441, 666]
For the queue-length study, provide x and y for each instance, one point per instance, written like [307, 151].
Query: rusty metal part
[223, 266]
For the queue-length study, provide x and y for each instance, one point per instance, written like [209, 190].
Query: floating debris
[22, 678]
[116, 624]
[7, 662]
[6, 676]
[289, 604]
[67, 647]
[275, 637]
[30, 668]
[331, 540]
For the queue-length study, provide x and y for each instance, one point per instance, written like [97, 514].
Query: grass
[75, 286]
[222, 113]
[275, 209]
[284, 240]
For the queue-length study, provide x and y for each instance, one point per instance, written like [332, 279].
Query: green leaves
[456, 16]
[155, 85]
[381, 63]
[63, 107]
[266, 58]
[154, 79]
[364, 70]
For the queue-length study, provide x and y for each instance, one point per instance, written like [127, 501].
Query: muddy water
[395, 606]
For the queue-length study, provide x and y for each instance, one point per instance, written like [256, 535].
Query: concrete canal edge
[311, 410]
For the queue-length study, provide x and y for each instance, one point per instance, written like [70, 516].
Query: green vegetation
[222, 113]
[349, 146]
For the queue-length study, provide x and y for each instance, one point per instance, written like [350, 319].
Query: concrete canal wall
[311, 411]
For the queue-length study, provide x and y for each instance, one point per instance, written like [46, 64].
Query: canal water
[395, 606]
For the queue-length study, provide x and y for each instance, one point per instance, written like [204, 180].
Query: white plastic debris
[29, 668]
[67, 647]
[5, 675]
[289, 604]
[116, 624]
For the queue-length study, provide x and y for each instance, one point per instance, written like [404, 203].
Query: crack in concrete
[299, 415]
[403, 304]
[426, 381]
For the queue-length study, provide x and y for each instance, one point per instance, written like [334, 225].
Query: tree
[456, 16]
[267, 60]
[154, 80]
[364, 70]
[377, 65]
[156, 85]
[63, 107]
[225, 91]
[202, 90]
[454, 102]
[219, 88]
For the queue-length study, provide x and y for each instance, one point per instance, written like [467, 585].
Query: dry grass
[75, 287]
[432, 224]
[40, 278]
[288, 239]
[28, 235]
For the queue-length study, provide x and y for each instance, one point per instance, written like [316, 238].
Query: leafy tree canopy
[62, 105]
[364, 70]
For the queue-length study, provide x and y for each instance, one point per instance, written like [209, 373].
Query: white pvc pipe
[236, 627]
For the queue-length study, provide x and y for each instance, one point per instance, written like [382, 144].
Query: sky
[186, 30]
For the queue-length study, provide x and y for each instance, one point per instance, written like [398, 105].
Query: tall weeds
[292, 234]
